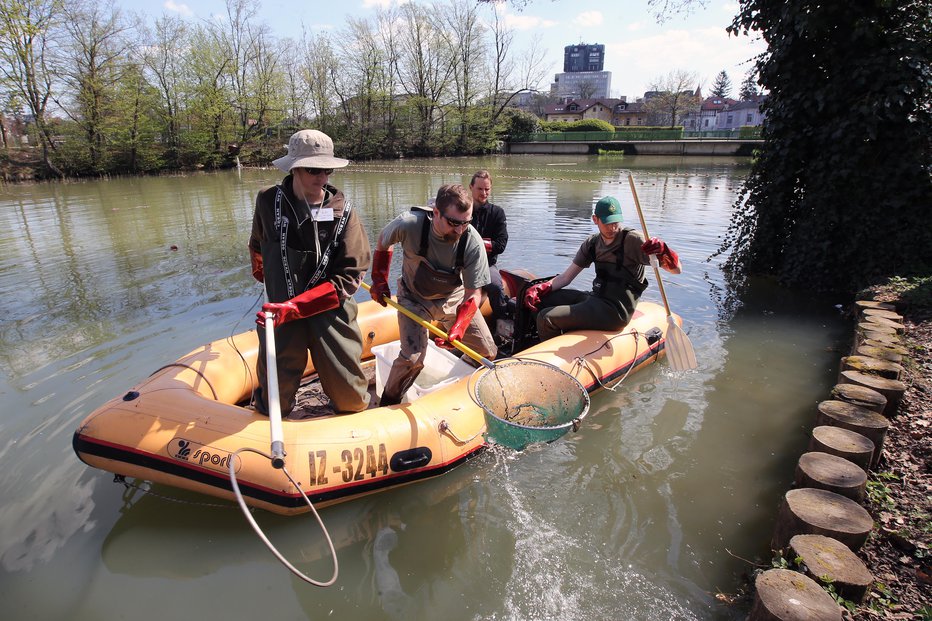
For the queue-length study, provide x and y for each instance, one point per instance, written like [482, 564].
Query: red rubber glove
[533, 295]
[488, 245]
[321, 298]
[381, 261]
[464, 315]
[256, 260]
[666, 256]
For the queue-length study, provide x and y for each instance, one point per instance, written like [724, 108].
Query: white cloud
[589, 18]
[637, 63]
[175, 7]
[528, 22]
[635, 26]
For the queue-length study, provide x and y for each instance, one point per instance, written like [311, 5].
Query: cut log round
[881, 312]
[890, 354]
[830, 472]
[828, 561]
[872, 326]
[785, 595]
[855, 447]
[856, 418]
[895, 346]
[891, 389]
[896, 326]
[874, 337]
[874, 366]
[862, 304]
[809, 511]
[860, 395]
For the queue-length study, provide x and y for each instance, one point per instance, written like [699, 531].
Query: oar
[460, 345]
[679, 350]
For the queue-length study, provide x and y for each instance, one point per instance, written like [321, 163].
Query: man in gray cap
[310, 249]
[620, 255]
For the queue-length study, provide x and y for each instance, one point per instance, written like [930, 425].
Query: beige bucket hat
[309, 148]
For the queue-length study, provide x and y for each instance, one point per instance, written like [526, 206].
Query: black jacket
[489, 220]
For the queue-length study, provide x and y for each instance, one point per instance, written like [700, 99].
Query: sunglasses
[454, 222]
[317, 171]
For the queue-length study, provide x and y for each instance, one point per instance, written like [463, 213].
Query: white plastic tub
[441, 368]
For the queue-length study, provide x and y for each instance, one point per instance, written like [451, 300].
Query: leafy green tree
[722, 85]
[840, 193]
[26, 44]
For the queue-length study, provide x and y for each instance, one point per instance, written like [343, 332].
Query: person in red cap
[442, 275]
[310, 249]
[619, 255]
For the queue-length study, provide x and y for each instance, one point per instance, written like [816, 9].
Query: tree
[91, 68]
[839, 195]
[748, 86]
[25, 57]
[672, 98]
[722, 85]
[163, 56]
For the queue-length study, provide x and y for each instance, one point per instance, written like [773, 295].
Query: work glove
[464, 315]
[665, 255]
[381, 261]
[534, 294]
[321, 298]
[488, 245]
[256, 260]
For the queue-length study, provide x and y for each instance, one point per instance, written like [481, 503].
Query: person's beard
[452, 236]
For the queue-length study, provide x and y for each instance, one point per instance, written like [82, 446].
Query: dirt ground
[899, 550]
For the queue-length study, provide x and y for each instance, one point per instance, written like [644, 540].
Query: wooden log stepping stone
[880, 312]
[890, 388]
[831, 472]
[862, 304]
[890, 354]
[809, 511]
[895, 346]
[828, 561]
[860, 395]
[871, 327]
[875, 366]
[850, 445]
[896, 326]
[866, 422]
[872, 337]
[786, 595]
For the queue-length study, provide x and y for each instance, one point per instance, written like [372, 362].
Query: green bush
[641, 128]
[590, 125]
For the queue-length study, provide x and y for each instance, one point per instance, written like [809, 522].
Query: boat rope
[444, 427]
[255, 526]
[134, 486]
[582, 362]
[188, 366]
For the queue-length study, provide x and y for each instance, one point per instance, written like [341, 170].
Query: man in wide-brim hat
[310, 249]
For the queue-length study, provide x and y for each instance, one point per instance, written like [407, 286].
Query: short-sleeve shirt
[406, 230]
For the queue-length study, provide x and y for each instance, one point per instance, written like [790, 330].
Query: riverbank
[899, 551]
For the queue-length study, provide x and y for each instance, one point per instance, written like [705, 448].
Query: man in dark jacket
[489, 220]
[310, 249]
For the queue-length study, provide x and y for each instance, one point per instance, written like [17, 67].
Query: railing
[677, 133]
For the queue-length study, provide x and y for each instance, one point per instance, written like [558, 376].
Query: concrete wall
[657, 147]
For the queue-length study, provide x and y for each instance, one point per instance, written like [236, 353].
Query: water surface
[646, 513]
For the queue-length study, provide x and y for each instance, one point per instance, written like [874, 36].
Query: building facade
[583, 57]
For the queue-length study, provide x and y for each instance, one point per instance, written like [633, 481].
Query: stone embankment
[821, 523]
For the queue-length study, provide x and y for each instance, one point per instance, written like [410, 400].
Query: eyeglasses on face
[454, 222]
[317, 171]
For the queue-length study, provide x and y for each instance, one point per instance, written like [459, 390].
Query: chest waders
[431, 283]
[290, 271]
[616, 283]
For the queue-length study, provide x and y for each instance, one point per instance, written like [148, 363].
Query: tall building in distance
[582, 77]
[583, 57]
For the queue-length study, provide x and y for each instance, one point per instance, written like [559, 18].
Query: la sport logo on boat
[201, 455]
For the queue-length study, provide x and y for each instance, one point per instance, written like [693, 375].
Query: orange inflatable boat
[182, 425]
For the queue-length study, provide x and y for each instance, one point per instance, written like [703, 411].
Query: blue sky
[638, 50]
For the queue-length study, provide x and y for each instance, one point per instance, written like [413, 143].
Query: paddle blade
[680, 352]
